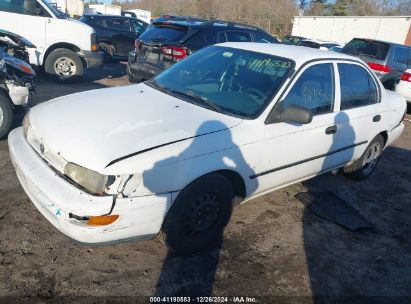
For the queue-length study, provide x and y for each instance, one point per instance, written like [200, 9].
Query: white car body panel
[137, 130]
[404, 88]
[44, 32]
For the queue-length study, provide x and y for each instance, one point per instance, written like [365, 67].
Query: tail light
[381, 68]
[406, 77]
[174, 52]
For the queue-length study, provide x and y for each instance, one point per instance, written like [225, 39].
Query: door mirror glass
[291, 114]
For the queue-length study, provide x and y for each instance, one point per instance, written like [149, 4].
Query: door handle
[331, 130]
[376, 118]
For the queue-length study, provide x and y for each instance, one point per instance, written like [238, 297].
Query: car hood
[95, 128]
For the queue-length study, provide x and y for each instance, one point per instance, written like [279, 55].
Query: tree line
[275, 16]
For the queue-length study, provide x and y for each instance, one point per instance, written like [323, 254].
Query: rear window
[360, 47]
[162, 33]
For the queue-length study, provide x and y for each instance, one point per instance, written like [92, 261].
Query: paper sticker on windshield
[227, 54]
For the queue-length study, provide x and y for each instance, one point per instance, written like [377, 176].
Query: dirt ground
[273, 249]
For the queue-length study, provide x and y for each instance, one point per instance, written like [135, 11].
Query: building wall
[343, 29]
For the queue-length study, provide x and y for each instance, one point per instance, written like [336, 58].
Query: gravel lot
[273, 248]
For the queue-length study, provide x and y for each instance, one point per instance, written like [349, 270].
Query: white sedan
[173, 155]
[404, 85]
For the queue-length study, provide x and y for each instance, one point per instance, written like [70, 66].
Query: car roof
[198, 23]
[297, 53]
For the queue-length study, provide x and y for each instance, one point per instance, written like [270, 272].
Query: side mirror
[291, 114]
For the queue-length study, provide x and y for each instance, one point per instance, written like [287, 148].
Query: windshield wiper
[160, 87]
[189, 94]
[196, 97]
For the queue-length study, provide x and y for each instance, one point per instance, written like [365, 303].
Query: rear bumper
[139, 70]
[92, 59]
[57, 200]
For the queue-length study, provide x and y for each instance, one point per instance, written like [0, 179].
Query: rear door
[121, 34]
[361, 117]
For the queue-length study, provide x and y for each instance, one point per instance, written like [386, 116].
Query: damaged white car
[174, 154]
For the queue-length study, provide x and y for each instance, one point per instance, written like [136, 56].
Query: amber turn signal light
[94, 47]
[102, 220]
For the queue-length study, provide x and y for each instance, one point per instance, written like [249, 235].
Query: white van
[64, 46]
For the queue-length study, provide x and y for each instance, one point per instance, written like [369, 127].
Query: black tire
[108, 50]
[358, 170]
[198, 216]
[64, 65]
[6, 113]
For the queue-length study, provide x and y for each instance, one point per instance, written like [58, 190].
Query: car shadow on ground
[194, 275]
[362, 264]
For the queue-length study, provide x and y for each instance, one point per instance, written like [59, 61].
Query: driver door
[292, 152]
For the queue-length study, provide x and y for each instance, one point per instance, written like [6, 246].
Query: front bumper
[92, 59]
[57, 199]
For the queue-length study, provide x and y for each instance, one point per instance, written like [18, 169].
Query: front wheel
[198, 216]
[366, 164]
[6, 114]
[64, 65]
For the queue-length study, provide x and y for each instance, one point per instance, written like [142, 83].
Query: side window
[25, 7]
[200, 40]
[357, 86]
[313, 90]
[221, 37]
[400, 55]
[119, 24]
[264, 38]
[139, 27]
[409, 58]
[235, 36]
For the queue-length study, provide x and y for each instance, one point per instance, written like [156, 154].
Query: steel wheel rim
[65, 66]
[202, 215]
[1, 117]
[371, 158]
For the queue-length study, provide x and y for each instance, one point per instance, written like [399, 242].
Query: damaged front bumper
[58, 200]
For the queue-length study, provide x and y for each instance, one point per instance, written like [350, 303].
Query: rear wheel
[366, 164]
[108, 50]
[6, 114]
[64, 64]
[198, 216]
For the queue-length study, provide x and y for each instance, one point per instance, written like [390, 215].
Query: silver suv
[388, 60]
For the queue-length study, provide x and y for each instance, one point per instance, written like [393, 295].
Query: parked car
[388, 60]
[17, 78]
[318, 44]
[115, 34]
[167, 42]
[65, 47]
[224, 125]
[292, 40]
[337, 49]
[403, 87]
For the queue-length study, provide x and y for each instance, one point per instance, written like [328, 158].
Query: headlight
[90, 180]
[25, 124]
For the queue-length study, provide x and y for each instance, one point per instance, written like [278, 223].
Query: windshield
[54, 10]
[369, 48]
[236, 82]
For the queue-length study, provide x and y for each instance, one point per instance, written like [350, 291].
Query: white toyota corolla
[174, 154]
